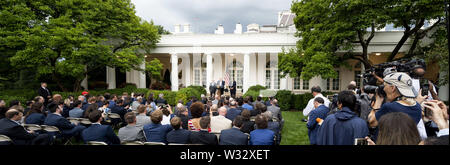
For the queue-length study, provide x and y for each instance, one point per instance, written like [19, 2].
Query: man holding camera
[400, 97]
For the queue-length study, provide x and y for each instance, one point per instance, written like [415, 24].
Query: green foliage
[256, 88]
[284, 98]
[185, 94]
[200, 89]
[154, 68]
[170, 96]
[252, 93]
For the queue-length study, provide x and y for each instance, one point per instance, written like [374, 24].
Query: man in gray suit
[131, 132]
[276, 113]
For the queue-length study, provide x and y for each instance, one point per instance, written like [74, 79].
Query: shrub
[300, 101]
[252, 93]
[284, 98]
[186, 93]
[256, 88]
[200, 89]
[169, 96]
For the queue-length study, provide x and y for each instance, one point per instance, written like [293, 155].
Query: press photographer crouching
[400, 97]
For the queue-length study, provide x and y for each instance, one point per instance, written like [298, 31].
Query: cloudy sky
[205, 15]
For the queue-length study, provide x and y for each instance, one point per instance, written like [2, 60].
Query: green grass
[294, 130]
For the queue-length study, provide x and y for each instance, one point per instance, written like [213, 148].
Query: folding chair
[55, 130]
[132, 143]
[114, 116]
[74, 120]
[176, 144]
[154, 143]
[96, 143]
[217, 134]
[5, 139]
[85, 121]
[252, 118]
[248, 135]
[32, 127]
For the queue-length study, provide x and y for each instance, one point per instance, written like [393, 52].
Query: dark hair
[197, 109]
[347, 99]
[240, 101]
[14, 102]
[11, 113]
[259, 98]
[175, 122]
[246, 114]
[35, 108]
[261, 107]
[238, 121]
[319, 100]
[130, 117]
[204, 122]
[261, 122]
[107, 96]
[95, 115]
[316, 89]
[165, 111]
[52, 107]
[351, 87]
[397, 128]
[76, 103]
[91, 108]
[106, 102]
[442, 140]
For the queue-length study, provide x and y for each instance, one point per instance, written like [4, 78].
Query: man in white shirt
[315, 90]
[220, 122]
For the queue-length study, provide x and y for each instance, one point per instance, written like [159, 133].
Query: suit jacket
[180, 136]
[233, 136]
[44, 93]
[35, 118]
[203, 137]
[156, 132]
[232, 113]
[16, 132]
[58, 121]
[103, 133]
[233, 86]
[219, 123]
[276, 113]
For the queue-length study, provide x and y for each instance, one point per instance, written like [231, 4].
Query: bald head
[223, 111]
[14, 114]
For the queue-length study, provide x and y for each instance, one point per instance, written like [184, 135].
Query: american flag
[226, 77]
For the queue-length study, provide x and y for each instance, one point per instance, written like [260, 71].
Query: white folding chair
[32, 127]
[4, 138]
[154, 143]
[132, 143]
[96, 143]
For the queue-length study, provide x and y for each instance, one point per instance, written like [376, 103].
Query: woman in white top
[167, 114]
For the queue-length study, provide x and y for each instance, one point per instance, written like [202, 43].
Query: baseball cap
[403, 83]
[84, 93]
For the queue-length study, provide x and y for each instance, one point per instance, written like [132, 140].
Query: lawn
[294, 130]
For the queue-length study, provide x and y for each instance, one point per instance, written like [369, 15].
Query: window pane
[268, 79]
[297, 83]
[276, 79]
[336, 82]
[239, 81]
[204, 77]
[305, 84]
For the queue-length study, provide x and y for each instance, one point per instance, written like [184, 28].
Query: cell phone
[360, 141]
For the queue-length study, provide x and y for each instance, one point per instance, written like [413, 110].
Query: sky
[205, 15]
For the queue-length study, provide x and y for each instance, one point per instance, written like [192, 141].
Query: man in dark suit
[98, 132]
[212, 88]
[203, 136]
[54, 118]
[178, 134]
[320, 111]
[44, 92]
[160, 99]
[221, 84]
[233, 89]
[234, 136]
[11, 127]
[119, 109]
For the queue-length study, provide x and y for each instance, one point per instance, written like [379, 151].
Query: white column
[174, 72]
[443, 90]
[187, 70]
[84, 83]
[246, 72]
[142, 82]
[209, 69]
[262, 69]
[111, 77]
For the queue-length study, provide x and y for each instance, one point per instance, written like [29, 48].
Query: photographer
[399, 98]
[438, 113]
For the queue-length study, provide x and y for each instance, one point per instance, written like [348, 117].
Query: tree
[411, 15]
[328, 26]
[75, 37]
[154, 69]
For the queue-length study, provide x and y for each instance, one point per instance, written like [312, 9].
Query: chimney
[219, 30]
[238, 29]
[177, 28]
[186, 28]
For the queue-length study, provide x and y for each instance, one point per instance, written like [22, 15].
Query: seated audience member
[28, 108]
[76, 112]
[276, 113]
[183, 115]
[178, 134]
[247, 104]
[220, 122]
[203, 136]
[197, 109]
[120, 108]
[131, 132]
[167, 115]
[342, 127]
[104, 108]
[91, 101]
[271, 125]
[213, 109]
[66, 128]
[98, 132]
[248, 126]
[262, 135]
[36, 114]
[234, 136]
[233, 111]
[10, 126]
[91, 108]
[155, 131]
[160, 99]
[136, 103]
[66, 108]
[142, 118]
[396, 128]
[3, 108]
[319, 111]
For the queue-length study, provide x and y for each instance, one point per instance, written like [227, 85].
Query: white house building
[250, 56]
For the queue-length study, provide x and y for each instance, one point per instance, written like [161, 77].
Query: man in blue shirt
[320, 111]
[262, 135]
[247, 105]
[76, 111]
